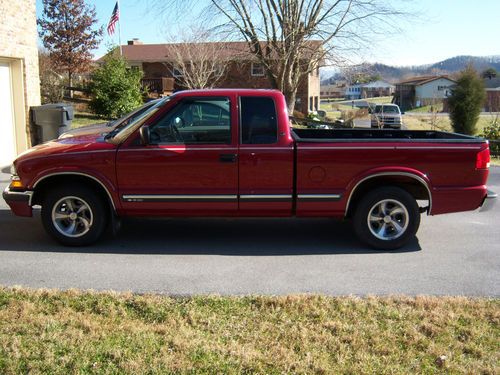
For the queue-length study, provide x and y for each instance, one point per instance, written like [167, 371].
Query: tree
[51, 82]
[466, 100]
[66, 29]
[489, 73]
[200, 63]
[292, 38]
[115, 88]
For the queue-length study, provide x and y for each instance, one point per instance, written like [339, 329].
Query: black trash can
[49, 121]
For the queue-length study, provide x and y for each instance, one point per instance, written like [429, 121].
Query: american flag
[115, 16]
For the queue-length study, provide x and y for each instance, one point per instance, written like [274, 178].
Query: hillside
[397, 73]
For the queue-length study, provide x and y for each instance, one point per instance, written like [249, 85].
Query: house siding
[18, 47]
[429, 91]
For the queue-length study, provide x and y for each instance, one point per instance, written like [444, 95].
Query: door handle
[227, 158]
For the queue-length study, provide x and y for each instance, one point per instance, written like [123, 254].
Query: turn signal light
[16, 184]
[483, 159]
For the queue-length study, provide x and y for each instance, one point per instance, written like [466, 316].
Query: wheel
[386, 218]
[74, 215]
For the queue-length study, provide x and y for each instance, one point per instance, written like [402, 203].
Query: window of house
[195, 121]
[177, 70]
[259, 123]
[257, 70]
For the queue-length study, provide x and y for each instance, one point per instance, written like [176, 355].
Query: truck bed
[380, 135]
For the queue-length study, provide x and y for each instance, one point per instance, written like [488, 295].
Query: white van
[386, 116]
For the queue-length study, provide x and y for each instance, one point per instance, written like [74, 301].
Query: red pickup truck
[233, 153]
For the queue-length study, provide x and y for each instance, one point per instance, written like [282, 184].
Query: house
[420, 91]
[333, 91]
[19, 80]
[242, 70]
[353, 92]
[377, 89]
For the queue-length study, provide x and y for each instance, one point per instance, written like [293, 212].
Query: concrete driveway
[457, 254]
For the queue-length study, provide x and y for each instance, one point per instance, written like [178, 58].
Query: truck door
[265, 159]
[190, 167]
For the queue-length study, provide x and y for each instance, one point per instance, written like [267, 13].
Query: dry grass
[74, 332]
[427, 122]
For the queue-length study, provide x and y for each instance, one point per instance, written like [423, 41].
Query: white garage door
[7, 134]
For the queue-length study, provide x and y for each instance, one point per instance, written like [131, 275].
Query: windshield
[386, 109]
[132, 116]
[140, 115]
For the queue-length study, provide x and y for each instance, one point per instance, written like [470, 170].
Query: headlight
[13, 171]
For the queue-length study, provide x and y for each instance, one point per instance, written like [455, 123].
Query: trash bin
[49, 121]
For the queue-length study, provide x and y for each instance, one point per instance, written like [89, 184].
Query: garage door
[7, 133]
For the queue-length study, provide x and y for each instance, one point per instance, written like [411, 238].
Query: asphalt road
[457, 254]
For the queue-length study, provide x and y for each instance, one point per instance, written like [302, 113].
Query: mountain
[398, 73]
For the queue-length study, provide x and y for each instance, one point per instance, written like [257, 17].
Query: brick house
[241, 72]
[19, 80]
[492, 101]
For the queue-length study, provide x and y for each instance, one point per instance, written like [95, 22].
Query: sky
[442, 29]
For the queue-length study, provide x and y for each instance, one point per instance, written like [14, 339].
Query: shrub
[466, 100]
[115, 89]
[492, 132]
[298, 114]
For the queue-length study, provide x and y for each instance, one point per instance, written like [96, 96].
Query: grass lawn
[82, 119]
[427, 108]
[74, 332]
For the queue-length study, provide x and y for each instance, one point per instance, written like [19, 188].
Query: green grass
[82, 119]
[73, 332]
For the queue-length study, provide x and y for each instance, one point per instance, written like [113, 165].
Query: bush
[298, 114]
[492, 132]
[115, 89]
[466, 100]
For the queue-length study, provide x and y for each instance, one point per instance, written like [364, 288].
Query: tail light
[483, 159]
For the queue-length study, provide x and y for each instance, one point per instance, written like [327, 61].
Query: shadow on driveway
[229, 237]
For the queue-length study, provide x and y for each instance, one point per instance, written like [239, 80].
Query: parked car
[233, 153]
[386, 116]
[105, 127]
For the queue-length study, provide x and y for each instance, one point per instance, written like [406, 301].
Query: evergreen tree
[115, 88]
[466, 101]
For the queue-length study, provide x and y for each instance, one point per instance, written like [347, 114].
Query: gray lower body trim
[180, 198]
[319, 197]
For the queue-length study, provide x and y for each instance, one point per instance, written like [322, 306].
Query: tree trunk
[290, 96]
[70, 83]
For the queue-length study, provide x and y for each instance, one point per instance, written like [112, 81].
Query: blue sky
[445, 28]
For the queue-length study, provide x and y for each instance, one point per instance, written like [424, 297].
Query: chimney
[134, 42]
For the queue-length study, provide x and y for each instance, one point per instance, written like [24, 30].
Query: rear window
[258, 120]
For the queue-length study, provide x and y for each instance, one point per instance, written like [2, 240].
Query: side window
[258, 120]
[195, 121]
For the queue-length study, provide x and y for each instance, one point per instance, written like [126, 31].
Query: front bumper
[19, 201]
[489, 201]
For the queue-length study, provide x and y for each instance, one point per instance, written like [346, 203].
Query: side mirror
[145, 136]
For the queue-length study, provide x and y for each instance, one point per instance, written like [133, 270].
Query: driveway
[456, 254]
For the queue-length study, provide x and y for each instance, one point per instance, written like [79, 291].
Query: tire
[386, 218]
[74, 215]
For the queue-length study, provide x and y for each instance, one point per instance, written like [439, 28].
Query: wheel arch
[414, 184]
[43, 183]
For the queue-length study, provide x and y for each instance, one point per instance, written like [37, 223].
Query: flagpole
[119, 26]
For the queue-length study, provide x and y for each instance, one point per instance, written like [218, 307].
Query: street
[456, 254]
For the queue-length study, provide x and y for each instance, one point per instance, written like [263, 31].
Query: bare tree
[198, 62]
[292, 38]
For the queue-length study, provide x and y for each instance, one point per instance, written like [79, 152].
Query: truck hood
[100, 128]
[83, 143]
